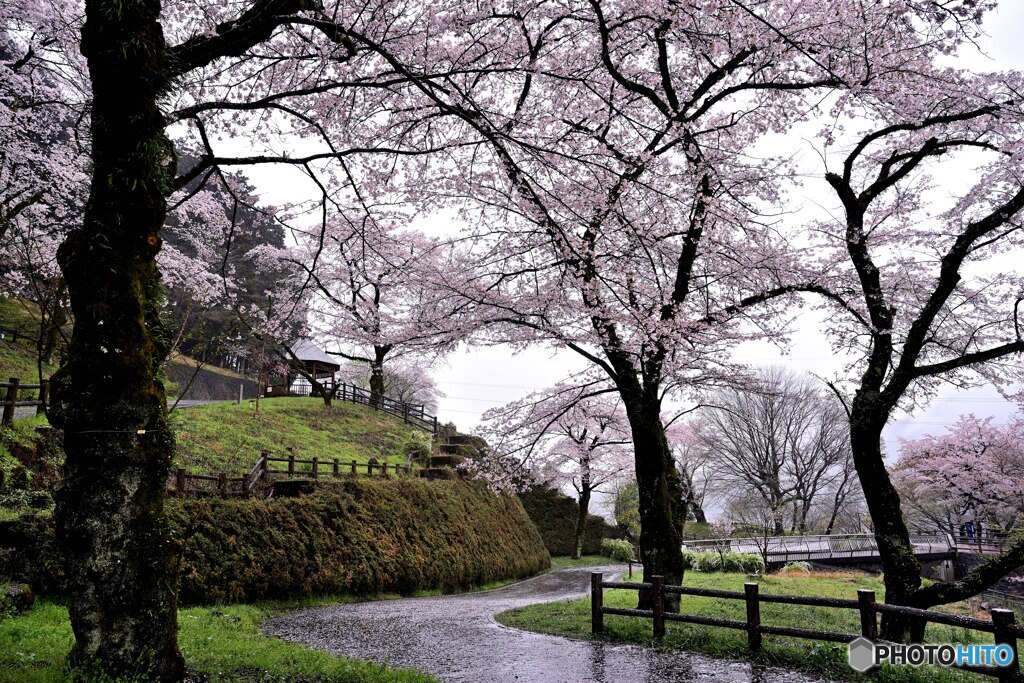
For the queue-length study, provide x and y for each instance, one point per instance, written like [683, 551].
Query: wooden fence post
[12, 396]
[868, 621]
[1003, 620]
[180, 482]
[596, 602]
[222, 484]
[335, 472]
[291, 464]
[353, 467]
[750, 593]
[658, 593]
[44, 395]
[315, 467]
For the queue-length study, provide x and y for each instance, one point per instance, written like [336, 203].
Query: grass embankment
[223, 643]
[572, 619]
[566, 562]
[225, 437]
[18, 358]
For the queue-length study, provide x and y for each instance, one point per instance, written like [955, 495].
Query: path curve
[456, 638]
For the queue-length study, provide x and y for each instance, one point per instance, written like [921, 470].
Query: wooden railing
[183, 483]
[330, 468]
[10, 399]
[411, 413]
[1003, 627]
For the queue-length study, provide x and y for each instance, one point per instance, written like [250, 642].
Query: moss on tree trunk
[659, 491]
[110, 507]
[901, 567]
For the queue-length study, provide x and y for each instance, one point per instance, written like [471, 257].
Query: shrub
[359, 537]
[797, 568]
[617, 549]
[713, 561]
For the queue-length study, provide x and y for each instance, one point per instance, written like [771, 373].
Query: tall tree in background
[381, 301]
[780, 438]
[972, 473]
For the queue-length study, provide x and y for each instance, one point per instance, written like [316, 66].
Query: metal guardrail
[810, 548]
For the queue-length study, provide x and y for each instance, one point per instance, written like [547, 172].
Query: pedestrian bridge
[848, 549]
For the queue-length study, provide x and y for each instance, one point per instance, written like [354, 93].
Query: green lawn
[572, 619]
[227, 437]
[223, 643]
[566, 562]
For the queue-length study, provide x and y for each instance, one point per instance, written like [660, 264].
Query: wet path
[456, 638]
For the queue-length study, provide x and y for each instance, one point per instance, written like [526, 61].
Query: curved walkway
[456, 638]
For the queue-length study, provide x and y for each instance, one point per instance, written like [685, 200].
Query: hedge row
[359, 537]
[555, 513]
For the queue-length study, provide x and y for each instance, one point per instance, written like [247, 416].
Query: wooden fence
[10, 401]
[183, 483]
[411, 413]
[1003, 626]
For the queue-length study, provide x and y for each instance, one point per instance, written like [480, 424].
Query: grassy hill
[225, 437]
[18, 358]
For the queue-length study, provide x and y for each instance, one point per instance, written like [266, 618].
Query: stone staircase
[448, 451]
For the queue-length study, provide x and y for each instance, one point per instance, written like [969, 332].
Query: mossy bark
[660, 494]
[580, 530]
[121, 558]
[901, 567]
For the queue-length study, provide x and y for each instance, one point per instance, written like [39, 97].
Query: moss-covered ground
[572, 619]
[219, 644]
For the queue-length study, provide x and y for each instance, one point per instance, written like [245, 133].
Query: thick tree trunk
[698, 514]
[121, 559]
[902, 569]
[581, 523]
[377, 375]
[660, 498]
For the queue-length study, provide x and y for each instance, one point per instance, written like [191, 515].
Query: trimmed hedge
[358, 537]
[554, 514]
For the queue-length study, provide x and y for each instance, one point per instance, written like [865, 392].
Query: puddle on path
[456, 638]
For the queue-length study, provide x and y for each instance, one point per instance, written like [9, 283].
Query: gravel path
[456, 638]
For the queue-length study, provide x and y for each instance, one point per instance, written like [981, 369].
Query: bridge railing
[821, 547]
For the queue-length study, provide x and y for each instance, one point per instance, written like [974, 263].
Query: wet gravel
[456, 638]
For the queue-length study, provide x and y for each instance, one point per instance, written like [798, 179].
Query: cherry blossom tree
[255, 73]
[974, 472]
[694, 460]
[379, 300]
[623, 212]
[916, 276]
[568, 435]
[404, 380]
